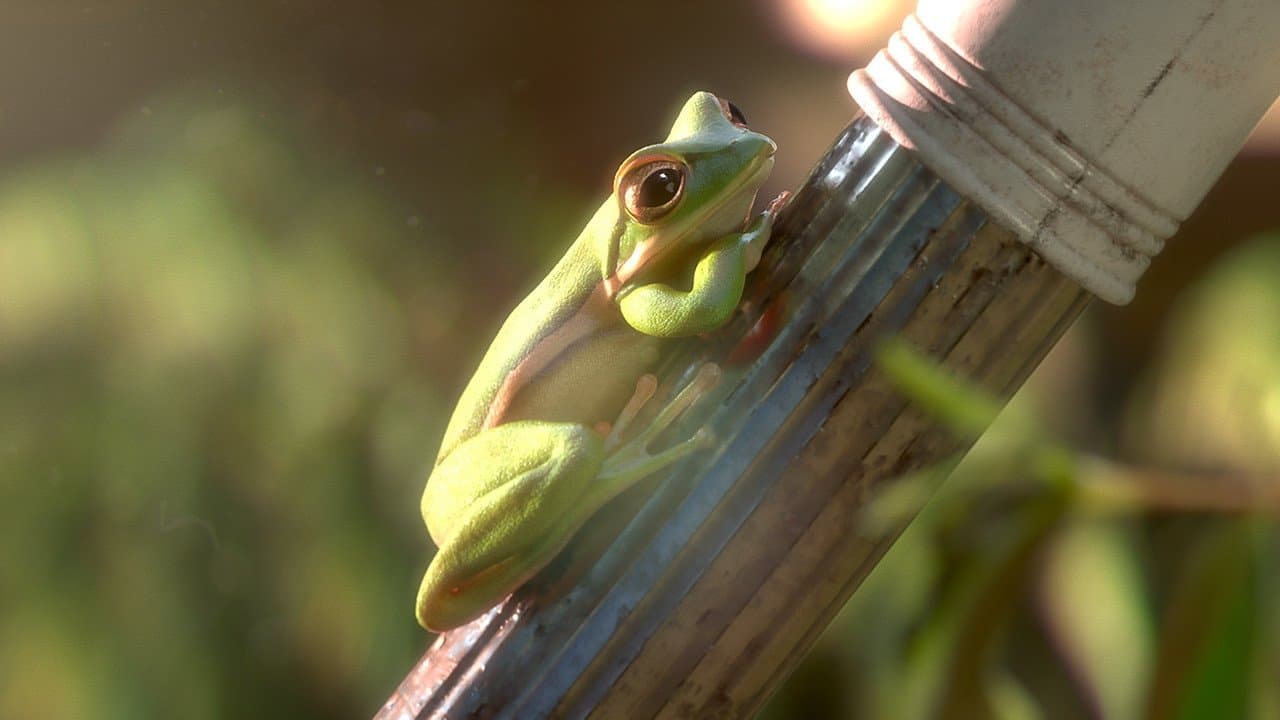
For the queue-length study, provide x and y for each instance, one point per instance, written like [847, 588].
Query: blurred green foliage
[226, 358]
[1213, 401]
[219, 368]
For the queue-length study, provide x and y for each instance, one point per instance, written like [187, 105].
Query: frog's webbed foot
[631, 459]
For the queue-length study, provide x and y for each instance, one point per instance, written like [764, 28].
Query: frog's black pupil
[658, 188]
[735, 113]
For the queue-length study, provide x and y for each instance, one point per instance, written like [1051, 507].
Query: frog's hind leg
[535, 495]
[505, 502]
[645, 387]
[630, 460]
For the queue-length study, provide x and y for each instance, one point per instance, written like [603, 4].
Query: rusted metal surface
[734, 564]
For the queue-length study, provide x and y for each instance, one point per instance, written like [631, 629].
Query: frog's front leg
[718, 279]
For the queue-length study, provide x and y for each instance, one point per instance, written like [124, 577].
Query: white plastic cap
[1091, 128]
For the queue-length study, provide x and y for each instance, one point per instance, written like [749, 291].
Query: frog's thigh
[525, 483]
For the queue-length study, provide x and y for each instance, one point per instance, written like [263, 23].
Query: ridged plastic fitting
[1091, 128]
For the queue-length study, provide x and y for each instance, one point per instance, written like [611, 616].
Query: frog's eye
[651, 190]
[733, 113]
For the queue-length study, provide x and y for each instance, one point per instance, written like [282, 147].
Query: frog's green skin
[524, 463]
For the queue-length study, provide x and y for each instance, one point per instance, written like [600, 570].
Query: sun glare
[842, 29]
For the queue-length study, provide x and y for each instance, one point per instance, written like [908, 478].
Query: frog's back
[558, 297]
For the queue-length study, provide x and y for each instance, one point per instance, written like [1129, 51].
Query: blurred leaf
[956, 403]
[1092, 600]
[1207, 638]
[205, 388]
[1011, 701]
[47, 276]
[1265, 688]
[1213, 399]
[950, 670]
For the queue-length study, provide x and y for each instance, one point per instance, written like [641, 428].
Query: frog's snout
[755, 145]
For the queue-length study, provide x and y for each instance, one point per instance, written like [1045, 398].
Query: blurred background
[251, 250]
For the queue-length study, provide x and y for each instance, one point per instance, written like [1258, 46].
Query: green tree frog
[536, 444]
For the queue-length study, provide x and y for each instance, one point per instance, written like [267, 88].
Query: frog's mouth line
[661, 243]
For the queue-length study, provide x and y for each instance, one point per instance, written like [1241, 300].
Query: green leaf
[1207, 639]
[1093, 602]
[957, 404]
